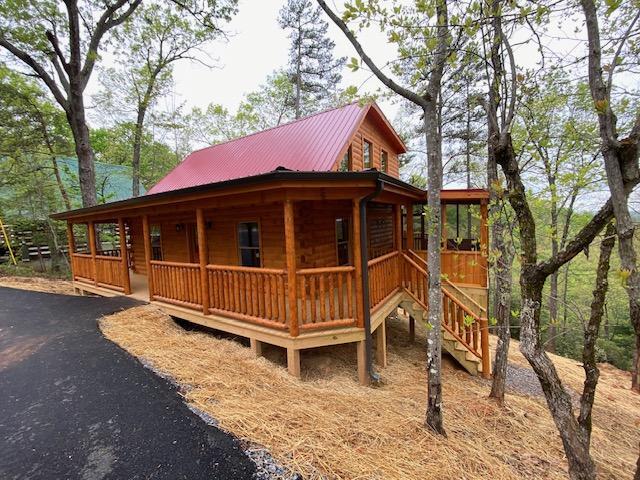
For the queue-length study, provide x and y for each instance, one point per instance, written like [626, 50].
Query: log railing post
[397, 217]
[409, 207]
[146, 233]
[484, 347]
[126, 282]
[290, 253]
[357, 263]
[92, 248]
[71, 247]
[484, 241]
[203, 256]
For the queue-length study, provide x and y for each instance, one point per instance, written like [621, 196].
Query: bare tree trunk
[621, 165]
[137, 146]
[84, 152]
[553, 281]
[434, 419]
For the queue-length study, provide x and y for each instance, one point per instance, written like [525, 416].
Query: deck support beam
[203, 257]
[146, 233]
[92, 248]
[293, 362]
[381, 344]
[124, 259]
[357, 263]
[290, 254]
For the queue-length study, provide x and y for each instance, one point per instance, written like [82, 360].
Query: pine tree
[313, 70]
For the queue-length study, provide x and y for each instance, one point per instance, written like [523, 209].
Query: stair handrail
[449, 283]
[483, 323]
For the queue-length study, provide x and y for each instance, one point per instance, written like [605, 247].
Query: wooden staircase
[465, 334]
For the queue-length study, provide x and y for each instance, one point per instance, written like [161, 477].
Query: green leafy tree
[151, 43]
[313, 70]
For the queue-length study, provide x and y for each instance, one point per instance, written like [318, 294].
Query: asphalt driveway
[74, 405]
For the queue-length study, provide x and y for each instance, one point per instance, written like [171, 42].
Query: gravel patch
[524, 381]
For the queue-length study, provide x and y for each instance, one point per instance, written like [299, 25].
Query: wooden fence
[384, 277]
[177, 283]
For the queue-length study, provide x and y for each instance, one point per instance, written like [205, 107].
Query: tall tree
[313, 70]
[151, 42]
[620, 155]
[432, 46]
[59, 43]
[32, 125]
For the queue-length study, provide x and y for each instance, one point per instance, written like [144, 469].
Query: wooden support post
[92, 248]
[256, 347]
[293, 362]
[363, 377]
[146, 233]
[71, 248]
[203, 256]
[381, 344]
[412, 329]
[357, 263]
[124, 257]
[290, 253]
[484, 348]
[409, 207]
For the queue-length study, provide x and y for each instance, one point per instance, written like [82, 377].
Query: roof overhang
[276, 179]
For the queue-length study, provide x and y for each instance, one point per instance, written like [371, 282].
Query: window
[345, 163]
[463, 226]
[249, 244]
[156, 243]
[81, 237]
[384, 161]
[342, 240]
[367, 153]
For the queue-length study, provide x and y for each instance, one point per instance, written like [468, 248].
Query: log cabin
[299, 236]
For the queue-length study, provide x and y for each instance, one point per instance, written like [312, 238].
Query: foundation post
[412, 329]
[256, 347]
[381, 344]
[363, 378]
[293, 362]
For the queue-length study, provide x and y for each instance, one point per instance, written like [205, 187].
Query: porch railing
[82, 266]
[109, 272]
[384, 277]
[251, 294]
[326, 297]
[177, 283]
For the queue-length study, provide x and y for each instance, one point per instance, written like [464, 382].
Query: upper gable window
[367, 154]
[384, 161]
[345, 163]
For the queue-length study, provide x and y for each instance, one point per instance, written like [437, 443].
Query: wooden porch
[306, 287]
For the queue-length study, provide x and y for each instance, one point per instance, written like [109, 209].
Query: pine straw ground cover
[38, 284]
[327, 426]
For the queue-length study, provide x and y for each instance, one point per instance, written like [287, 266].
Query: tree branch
[399, 89]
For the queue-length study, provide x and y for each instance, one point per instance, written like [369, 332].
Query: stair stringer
[458, 351]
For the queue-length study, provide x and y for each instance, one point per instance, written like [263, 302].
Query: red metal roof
[312, 143]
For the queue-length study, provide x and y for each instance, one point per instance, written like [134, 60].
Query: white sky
[257, 47]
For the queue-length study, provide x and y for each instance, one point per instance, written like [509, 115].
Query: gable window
[342, 241]
[384, 162]
[345, 163]
[249, 244]
[367, 154]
